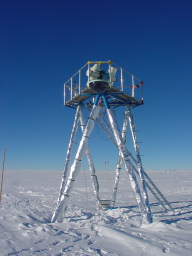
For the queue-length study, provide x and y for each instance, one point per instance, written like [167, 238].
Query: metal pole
[119, 163]
[149, 183]
[90, 161]
[140, 169]
[133, 86]
[71, 88]
[139, 162]
[88, 72]
[2, 174]
[109, 68]
[144, 208]
[77, 162]
[68, 156]
[64, 93]
[79, 81]
[122, 79]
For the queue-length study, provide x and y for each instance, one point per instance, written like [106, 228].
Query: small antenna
[2, 174]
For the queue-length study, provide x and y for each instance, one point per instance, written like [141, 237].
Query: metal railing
[125, 81]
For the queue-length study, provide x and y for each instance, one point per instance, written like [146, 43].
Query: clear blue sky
[43, 42]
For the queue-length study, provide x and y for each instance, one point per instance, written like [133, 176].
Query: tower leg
[119, 163]
[68, 156]
[77, 162]
[90, 160]
[140, 197]
[150, 184]
[139, 162]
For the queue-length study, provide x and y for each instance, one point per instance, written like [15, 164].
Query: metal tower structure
[102, 87]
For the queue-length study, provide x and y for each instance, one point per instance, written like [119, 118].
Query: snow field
[30, 197]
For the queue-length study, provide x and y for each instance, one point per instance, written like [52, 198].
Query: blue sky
[43, 43]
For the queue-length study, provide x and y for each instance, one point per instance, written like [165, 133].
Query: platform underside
[115, 97]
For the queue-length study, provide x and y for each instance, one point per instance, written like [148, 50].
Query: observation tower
[101, 87]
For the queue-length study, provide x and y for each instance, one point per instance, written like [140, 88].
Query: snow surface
[30, 197]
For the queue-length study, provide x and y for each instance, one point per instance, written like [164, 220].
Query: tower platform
[116, 98]
[101, 78]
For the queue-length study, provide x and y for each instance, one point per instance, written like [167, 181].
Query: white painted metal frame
[66, 187]
[90, 161]
[143, 175]
[146, 180]
[125, 155]
[150, 185]
[119, 163]
[69, 151]
[140, 182]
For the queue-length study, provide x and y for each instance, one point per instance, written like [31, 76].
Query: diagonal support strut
[61, 207]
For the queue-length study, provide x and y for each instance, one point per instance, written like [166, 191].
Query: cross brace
[139, 180]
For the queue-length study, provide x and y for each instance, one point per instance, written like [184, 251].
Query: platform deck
[117, 96]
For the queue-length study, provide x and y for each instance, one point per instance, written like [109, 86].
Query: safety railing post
[64, 93]
[71, 88]
[110, 81]
[133, 86]
[122, 79]
[88, 71]
[79, 81]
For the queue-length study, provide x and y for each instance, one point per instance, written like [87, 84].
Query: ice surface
[30, 197]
